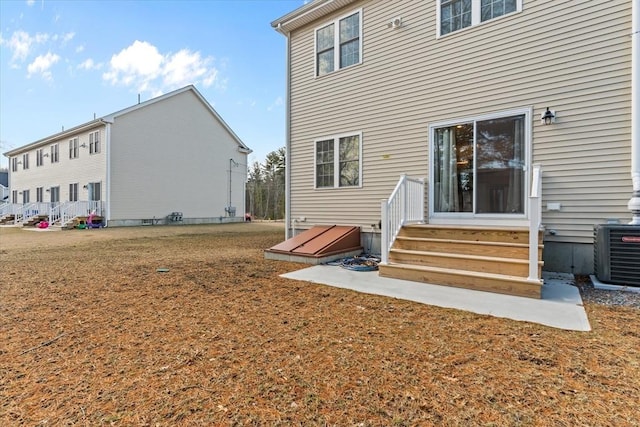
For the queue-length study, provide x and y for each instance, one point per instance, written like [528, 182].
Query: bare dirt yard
[92, 333]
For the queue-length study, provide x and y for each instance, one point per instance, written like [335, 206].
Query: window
[73, 192]
[490, 9]
[94, 142]
[54, 194]
[25, 196]
[339, 49]
[14, 196]
[25, 161]
[54, 153]
[73, 148]
[479, 165]
[40, 157]
[337, 161]
[454, 15]
[39, 194]
[14, 165]
[94, 191]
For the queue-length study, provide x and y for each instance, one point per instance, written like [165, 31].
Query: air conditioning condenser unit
[617, 254]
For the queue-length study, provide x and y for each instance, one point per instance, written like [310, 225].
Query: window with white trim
[73, 192]
[454, 15]
[39, 194]
[338, 161]
[14, 165]
[39, 156]
[339, 49]
[55, 152]
[25, 196]
[73, 148]
[94, 142]
[14, 196]
[95, 191]
[25, 161]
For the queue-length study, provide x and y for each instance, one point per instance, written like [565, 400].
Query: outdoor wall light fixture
[83, 145]
[45, 155]
[85, 186]
[48, 190]
[548, 117]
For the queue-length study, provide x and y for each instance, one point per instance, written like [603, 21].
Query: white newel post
[535, 214]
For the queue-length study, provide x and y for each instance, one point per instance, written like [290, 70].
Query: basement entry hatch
[318, 245]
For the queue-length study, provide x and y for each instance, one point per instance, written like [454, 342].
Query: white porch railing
[58, 212]
[535, 221]
[404, 206]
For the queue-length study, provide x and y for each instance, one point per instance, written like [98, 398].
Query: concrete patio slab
[560, 307]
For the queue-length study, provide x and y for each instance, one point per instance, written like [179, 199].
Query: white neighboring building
[171, 154]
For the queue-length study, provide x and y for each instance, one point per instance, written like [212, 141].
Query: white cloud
[42, 65]
[31, 2]
[89, 64]
[20, 44]
[80, 49]
[142, 66]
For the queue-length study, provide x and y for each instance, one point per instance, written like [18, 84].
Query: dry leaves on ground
[93, 334]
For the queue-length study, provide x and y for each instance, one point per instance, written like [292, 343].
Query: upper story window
[341, 48]
[454, 15]
[25, 161]
[40, 157]
[14, 164]
[55, 152]
[338, 161]
[94, 142]
[73, 148]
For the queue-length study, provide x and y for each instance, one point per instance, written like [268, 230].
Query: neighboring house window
[14, 165]
[73, 192]
[55, 151]
[94, 191]
[25, 196]
[54, 194]
[39, 194]
[40, 157]
[338, 161]
[94, 142]
[454, 15]
[25, 161]
[339, 49]
[73, 148]
[14, 196]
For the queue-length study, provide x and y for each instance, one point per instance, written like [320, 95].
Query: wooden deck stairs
[493, 259]
[34, 220]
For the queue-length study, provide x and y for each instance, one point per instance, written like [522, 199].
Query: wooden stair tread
[457, 272]
[462, 256]
[465, 242]
[468, 227]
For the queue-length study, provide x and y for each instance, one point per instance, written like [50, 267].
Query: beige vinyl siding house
[412, 81]
[173, 153]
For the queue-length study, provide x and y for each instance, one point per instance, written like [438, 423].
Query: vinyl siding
[173, 155]
[573, 57]
[82, 170]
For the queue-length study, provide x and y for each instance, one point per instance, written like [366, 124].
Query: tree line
[265, 195]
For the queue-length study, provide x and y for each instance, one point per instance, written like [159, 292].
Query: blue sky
[64, 61]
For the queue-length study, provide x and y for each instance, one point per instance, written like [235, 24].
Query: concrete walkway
[560, 307]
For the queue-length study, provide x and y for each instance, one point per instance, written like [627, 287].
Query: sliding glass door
[479, 166]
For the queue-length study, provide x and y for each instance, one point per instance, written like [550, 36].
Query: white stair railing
[535, 221]
[404, 206]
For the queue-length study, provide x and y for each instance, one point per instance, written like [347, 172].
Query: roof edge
[307, 13]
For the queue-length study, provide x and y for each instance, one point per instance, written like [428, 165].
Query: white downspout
[287, 175]
[634, 202]
[107, 149]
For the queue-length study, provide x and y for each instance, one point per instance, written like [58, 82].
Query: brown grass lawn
[92, 334]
